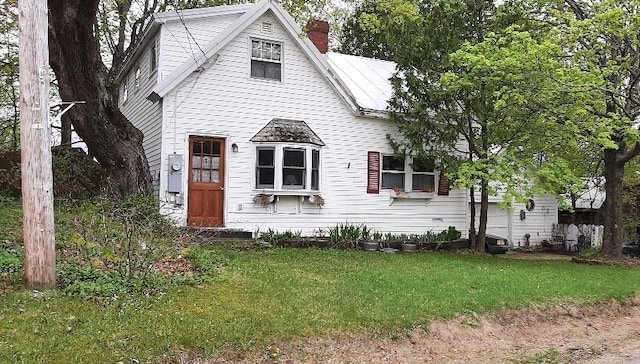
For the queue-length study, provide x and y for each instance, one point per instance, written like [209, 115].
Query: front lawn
[260, 297]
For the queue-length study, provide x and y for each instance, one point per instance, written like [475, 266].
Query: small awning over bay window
[287, 131]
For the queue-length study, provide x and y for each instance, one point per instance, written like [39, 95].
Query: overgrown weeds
[106, 248]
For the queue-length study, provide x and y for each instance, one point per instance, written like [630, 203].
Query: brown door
[205, 206]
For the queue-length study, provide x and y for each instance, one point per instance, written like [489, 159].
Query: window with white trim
[417, 174]
[266, 60]
[286, 167]
[265, 167]
[393, 172]
[423, 177]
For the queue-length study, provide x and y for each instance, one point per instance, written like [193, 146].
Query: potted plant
[386, 245]
[372, 243]
[263, 199]
[397, 191]
[316, 200]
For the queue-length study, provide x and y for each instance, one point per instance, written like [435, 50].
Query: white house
[246, 123]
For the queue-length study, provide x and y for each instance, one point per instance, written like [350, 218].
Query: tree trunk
[82, 76]
[484, 209]
[472, 211]
[613, 207]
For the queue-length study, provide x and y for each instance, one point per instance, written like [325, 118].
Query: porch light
[234, 148]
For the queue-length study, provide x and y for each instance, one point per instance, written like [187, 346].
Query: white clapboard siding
[538, 223]
[178, 44]
[224, 101]
[145, 115]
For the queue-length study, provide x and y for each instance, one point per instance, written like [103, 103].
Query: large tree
[601, 40]
[589, 90]
[592, 90]
[447, 103]
[75, 56]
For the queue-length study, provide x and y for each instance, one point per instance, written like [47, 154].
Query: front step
[218, 234]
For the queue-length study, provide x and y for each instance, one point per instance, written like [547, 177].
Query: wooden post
[35, 145]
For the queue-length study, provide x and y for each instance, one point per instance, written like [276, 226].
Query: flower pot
[370, 246]
[409, 247]
[388, 250]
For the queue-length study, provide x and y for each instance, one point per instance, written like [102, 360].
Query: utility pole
[35, 145]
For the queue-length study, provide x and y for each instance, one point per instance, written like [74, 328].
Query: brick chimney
[318, 33]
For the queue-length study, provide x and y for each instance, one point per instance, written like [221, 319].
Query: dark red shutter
[443, 186]
[373, 172]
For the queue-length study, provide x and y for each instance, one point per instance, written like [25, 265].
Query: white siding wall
[178, 45]
[538, 223]
[224, 101]
[144, 114]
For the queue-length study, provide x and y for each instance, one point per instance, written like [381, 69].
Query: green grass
[266, 296]
[259, 297]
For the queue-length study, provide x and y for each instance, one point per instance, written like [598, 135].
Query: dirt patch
[605, 333]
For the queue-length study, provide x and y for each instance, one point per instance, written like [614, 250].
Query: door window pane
[206, 175]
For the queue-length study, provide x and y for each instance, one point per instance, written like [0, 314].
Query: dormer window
[266, 60]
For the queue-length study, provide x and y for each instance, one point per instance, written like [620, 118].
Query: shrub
[114, 247]
[588, 253]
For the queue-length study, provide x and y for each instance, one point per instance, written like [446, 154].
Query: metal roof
[367, 79]
[283, 130]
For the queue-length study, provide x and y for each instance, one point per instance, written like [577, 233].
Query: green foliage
[550, 356]
[11, 262]
[9, 75]
[207, 261]
[111, 248]
[275, 238]
[361, 35]
[346, 233]
[589, 253]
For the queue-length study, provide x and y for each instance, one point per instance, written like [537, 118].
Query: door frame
[227, 153]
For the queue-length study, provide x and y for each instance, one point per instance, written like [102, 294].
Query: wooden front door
[205, 206]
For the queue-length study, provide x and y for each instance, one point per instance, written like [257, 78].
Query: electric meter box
[175, 173]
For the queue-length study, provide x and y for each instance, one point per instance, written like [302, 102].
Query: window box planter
[409, 195]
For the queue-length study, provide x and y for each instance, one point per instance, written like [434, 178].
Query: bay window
[284, 167]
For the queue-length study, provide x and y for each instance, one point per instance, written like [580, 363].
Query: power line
[179, 13]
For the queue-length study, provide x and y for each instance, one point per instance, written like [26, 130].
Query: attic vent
[267, 28]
